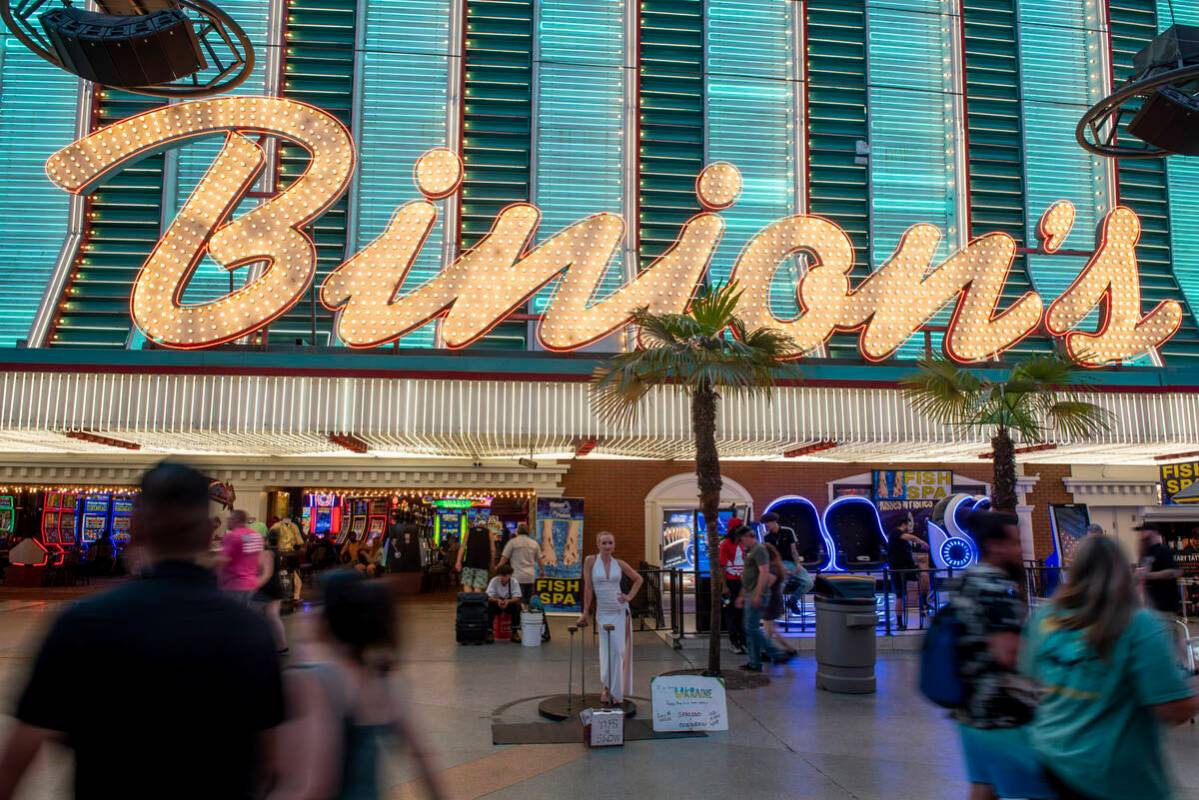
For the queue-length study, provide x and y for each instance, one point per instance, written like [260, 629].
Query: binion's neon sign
[504, 270]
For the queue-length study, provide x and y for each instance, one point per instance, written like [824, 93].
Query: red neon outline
[1105, 299]
[862, 327]
[441, 195]
[635, 212]
[712, 206]
[45, 554]
[168, 143]
[629, 318]
[338, 309]
[1044, 236]
[462, 118]
[805, 73]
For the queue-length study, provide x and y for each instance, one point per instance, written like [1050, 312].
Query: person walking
[344, 709]
[602, 575]
[902, 565]
[774, 606]
[994, 723]
[240, 562]
[755, 581]
[783, 539]
[503, 597]
[200, 688]
[524, 554]
[732, 559]
[291, 552]
[475, 559]
[1159, 573]
[1110, 683]
[269, 596]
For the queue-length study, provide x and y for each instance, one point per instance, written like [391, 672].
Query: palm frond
[1078, 419]
[1048, 372]
[714, 311]
[618, 386]
[943, 392]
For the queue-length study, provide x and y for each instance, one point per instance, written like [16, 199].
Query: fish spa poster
[559, 532]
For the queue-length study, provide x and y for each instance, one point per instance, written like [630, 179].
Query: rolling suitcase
[470, 625]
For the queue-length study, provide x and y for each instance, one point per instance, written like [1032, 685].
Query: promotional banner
[559, 532]
[1179, 483]
[900, 492]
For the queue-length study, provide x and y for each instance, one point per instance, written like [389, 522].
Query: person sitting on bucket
[503, 597]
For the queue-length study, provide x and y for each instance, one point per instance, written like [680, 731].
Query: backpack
[940, 663]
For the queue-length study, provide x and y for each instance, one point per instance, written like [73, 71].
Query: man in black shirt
[163, 686]
[1159, 572]
[903, 565]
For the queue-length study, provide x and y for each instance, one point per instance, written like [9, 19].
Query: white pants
[620, 660]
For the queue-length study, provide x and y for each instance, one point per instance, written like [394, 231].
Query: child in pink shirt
[241, 552]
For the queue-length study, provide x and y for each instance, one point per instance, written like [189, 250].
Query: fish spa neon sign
[504, 270]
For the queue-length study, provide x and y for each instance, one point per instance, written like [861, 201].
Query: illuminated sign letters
[504, 270]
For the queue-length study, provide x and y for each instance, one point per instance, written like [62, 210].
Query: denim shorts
[1004, 759]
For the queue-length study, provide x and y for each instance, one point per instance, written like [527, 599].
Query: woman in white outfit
[601, 582]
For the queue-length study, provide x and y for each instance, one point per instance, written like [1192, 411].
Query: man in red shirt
[732, 559]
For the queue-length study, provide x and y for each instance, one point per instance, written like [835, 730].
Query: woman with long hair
[1109, 679]
[601, 584]
[342, 707]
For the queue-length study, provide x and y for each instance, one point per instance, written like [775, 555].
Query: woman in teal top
[343, 712]
[1110, 681]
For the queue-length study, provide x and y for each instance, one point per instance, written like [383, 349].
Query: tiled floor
[785, 740]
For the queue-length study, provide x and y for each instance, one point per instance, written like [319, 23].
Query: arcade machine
[95, 512]
[800, 515]
[376, 520]
[120, 523]
[67, 520]
[856, 534]
[449, 522]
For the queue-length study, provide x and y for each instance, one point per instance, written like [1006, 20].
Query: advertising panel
[1180, 483]
[559, 532]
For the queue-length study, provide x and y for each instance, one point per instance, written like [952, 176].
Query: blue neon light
[830, 551]
[877, 519]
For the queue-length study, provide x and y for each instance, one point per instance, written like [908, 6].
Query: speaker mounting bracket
[226, 47]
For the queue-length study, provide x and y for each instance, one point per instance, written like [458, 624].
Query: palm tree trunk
[707, 473]
[1003, 455]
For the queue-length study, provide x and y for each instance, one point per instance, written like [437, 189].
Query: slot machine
[121, 522]
[67, 520]
[376, 523]
[50, 514]
[95, 512]
[8, 514]
[357, 527]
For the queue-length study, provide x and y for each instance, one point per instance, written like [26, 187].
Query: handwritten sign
[689, 703]
[603, 727]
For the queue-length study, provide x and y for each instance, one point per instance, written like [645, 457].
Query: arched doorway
[671, 517]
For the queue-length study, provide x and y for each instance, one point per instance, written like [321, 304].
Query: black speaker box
[1169, 119]
[137, 50]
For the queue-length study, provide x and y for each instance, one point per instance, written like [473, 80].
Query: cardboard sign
[689, 703]
[603, 727]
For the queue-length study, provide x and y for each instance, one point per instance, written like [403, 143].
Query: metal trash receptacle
[846, 649]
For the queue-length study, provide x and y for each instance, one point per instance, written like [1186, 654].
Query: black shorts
[291, 562]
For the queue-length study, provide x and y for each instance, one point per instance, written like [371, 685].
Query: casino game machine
[8, 516]
[358, 512]
[449, 522]
[376, 521]
[96, 510]
[121, 522]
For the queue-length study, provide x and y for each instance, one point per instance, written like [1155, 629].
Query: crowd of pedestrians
[1071, 701]
[190, 700]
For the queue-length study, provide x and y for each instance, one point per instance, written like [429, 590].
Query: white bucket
[531, 624]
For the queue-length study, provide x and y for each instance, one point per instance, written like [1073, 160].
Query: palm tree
[1032, 400]
[690, 353]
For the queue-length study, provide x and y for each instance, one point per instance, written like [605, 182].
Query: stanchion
[559, 707]
[608, 638]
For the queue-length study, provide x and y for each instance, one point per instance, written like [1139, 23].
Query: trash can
[845, 634]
